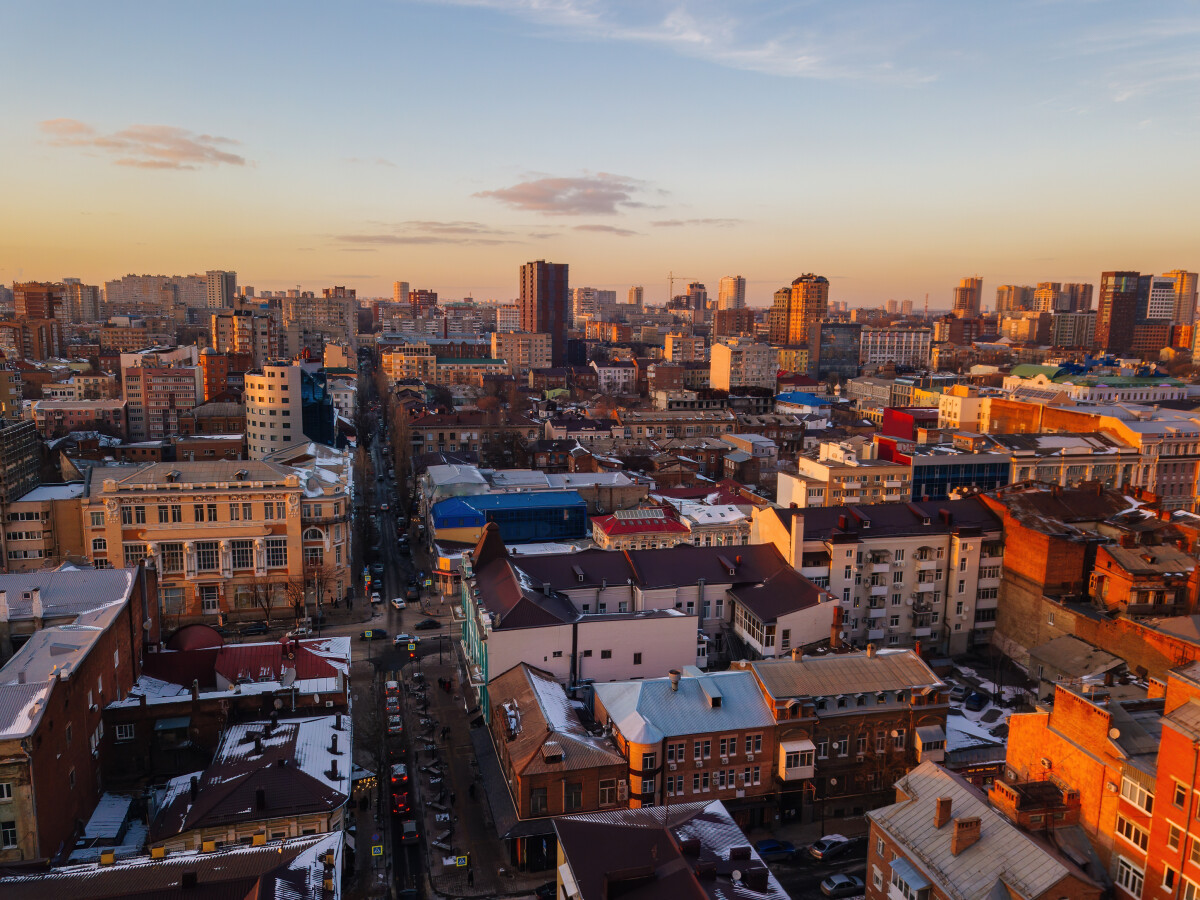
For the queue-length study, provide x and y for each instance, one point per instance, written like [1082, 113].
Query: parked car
[372, 634]
[398, 603]
[301, 631]
[413, 594]
[254, 628]
[842, 886]
[405, 638]
[392, 704]
[377, 568]
[427, 625]
[958, 693]
[376, 597]
[383, 507]
[391, 688]
[772, 850]
[399, 774]
[830, 847]
[395, 725]
[408, 832]
[402, 540]
[976, 701]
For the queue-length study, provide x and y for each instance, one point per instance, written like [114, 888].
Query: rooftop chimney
[193, 788]
[674, 674]
[195, 689]
[258, 748]
[835, 630]
[333, 744]
[38, 610]
[870, 651]
[941, 813]
[966, 833]
[337, 722]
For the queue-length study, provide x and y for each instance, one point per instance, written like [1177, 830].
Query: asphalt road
[802, 878]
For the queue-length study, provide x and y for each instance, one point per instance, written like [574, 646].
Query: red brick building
[55, 688]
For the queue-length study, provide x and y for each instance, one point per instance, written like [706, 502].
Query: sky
[892, 146]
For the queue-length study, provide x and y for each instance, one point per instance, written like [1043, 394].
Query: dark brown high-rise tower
[544, 306]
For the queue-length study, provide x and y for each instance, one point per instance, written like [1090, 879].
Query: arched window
[314, 534]
[99, 545]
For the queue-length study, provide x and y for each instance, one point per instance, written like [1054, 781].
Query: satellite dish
[833, 782]
[895, 733]
[1114, 733]
[736, 875]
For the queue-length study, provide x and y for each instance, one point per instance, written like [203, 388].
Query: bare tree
[262, 592]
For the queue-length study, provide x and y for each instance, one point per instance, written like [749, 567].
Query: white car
[398, 602]
[376, 597]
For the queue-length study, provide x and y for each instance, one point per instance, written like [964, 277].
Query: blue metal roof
[523, 500]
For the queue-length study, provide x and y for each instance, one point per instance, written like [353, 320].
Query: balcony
[926, 565]
[878, 612]
[879, 590]
[876, 634]
[880, 568]
[926, 586]
[922, 631]
[893, 483]
[806, 751]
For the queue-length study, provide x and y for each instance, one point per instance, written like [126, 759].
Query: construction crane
[671, 279]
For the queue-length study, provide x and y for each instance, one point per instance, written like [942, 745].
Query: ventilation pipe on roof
[870, 651]
[195, 689]
[674, 675]
[258, 745]
[333, 744]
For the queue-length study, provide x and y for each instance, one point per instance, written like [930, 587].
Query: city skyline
[705, 139]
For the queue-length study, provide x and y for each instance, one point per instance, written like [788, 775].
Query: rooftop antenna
[927, 306]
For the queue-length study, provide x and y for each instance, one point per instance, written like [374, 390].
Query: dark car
[372, 634]
[392, 704]
[399, 776]
[427, 625]
[408, 832]
[413, 593]
[772, 850]
[842, 886]
[255, 628]
[400, 805]
[830, 847]
[976, 701]
[395, 725]
[377, 568]
[547, 891]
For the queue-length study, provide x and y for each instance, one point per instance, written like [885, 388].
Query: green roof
[1118, 380]
[1026, 370]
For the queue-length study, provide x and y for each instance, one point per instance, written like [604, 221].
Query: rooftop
[844, 673]
[647, 710]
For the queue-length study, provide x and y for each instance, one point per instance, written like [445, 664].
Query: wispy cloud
[681, 223]
[146, 146]
[805, 40]
[426, 231]
[599, 194]
[377, 161]
[607, 229]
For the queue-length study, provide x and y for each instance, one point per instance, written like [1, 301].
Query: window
[608, 791]
[637, 659]
[1169, 876]
[126, 515]
[208, 556]
[1137, 795]
[877, 878]
[898, 739]
[1191, 890]
[176, 512]
[97, 519]
[171, 556]
[212, 512]
[277, 555]
[247, 511]
[606, 654]
[1139, 837]
[243, 554]
[134, 554]
[1130, 877]
[5, 790]
[99, 545]
[235, 512]
[573, 796]
[164, 515]
[1174, 836]
[1180, 796]
[879, 846]
[8, 833]
[537, 799]
[823, 748]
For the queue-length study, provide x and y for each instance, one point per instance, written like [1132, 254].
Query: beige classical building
[523, 350]
[844, 473]
[274, 409]
[225, 536]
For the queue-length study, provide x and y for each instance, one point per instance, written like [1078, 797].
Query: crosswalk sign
[412, 647]
[377, 849]
[460, 861]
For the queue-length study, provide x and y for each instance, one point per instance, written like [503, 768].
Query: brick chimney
[941, 813]
[835, 630]
[966, 833]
